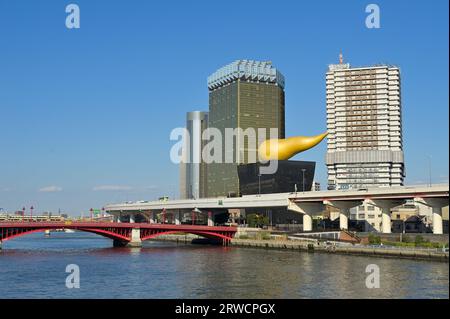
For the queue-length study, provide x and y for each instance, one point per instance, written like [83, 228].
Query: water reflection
[34, 267]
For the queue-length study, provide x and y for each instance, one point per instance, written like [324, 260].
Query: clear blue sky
[86, 113]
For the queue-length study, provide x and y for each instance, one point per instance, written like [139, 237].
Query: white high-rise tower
[364, 132]
[364, 126]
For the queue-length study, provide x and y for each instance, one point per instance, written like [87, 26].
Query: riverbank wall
[390, 252]
[313, 246]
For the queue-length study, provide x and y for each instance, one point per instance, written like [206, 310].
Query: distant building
[244, 94]
[315, 186]
[287, 178]
[192, 168]
[365, 147]
[364, 126]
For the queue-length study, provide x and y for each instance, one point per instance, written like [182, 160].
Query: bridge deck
[74, 225]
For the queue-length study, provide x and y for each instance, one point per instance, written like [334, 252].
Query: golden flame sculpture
[283, 149]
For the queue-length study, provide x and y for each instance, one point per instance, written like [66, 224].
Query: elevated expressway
[307, 203]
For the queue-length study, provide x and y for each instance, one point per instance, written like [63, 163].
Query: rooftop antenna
[341, 58]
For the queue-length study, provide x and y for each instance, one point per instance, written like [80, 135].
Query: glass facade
[289, 177]
[241, 102]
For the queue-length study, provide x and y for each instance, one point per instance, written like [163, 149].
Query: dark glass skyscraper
[244, 94]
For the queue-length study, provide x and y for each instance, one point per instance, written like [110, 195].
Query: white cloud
[112, 188]
[50, 189]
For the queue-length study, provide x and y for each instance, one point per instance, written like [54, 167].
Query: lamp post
[91, 211]
[31, 212]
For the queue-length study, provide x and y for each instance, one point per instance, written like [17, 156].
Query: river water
[34, 266]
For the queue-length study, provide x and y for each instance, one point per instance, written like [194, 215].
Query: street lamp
[91, 210]
[31, 212]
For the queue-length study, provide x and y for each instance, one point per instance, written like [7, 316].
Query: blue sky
[86, 113]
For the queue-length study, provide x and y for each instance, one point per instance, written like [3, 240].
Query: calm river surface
[34, 267]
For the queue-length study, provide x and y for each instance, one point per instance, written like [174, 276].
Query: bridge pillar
[135, 238]
[132, 218]
[308, 209]
[386, 205]
[134, 242]
[344, 207]
[177, 218]
[0, 245]
[152, 218]
[437, 220]
[307, 222]
[210, 219]
[436, 205]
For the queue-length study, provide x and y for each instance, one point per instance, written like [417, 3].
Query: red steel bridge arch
[117, 231]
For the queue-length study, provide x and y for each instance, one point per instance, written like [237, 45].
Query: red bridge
[123, 234]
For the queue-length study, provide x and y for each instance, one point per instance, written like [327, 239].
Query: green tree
[257, 220]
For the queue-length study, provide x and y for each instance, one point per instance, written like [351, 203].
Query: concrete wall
[412, 236]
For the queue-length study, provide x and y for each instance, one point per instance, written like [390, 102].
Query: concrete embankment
[312, 246]
[393, 252]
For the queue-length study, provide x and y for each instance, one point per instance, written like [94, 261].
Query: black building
[290, 176]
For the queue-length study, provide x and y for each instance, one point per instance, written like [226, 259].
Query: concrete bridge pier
[0, 245]
[152, 217]
[135, 238]
[134, 242]
[386, 205]
[210, 219]
[344, 207]
[177, 217]
[436, 205]
[308, 210]
[307, 222]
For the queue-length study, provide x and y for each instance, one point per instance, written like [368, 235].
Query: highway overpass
[307, 203]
